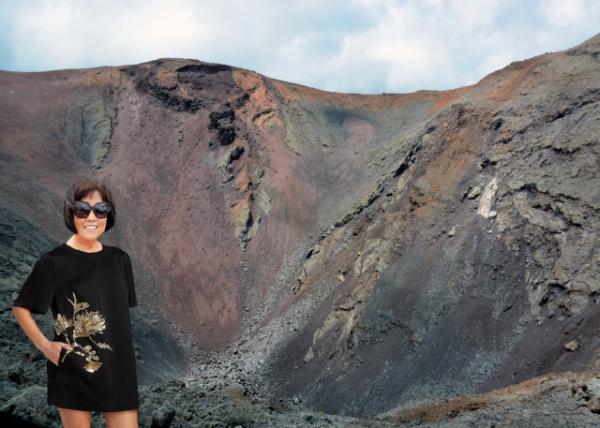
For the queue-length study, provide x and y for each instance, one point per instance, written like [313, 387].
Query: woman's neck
[84, 244]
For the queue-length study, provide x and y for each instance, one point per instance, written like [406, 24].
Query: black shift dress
[90, 295]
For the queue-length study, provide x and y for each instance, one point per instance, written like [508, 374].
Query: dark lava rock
[223, 123]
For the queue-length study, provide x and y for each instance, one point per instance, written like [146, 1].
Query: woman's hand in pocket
[53, 350]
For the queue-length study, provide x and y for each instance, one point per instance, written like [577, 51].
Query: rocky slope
[348, 254]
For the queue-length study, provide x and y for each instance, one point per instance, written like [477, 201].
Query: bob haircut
[82, 187]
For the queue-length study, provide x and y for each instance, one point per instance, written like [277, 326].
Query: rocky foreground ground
[569, 399]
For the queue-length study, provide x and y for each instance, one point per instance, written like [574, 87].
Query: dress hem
[74, 406]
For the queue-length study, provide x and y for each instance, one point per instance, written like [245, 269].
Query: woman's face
[91, 233]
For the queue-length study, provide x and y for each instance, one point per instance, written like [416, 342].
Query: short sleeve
[38, 289]
[130, 281]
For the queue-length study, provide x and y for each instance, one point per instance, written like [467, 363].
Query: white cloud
[411, 56]
[469, 15]
[563, 13]
[294, 50]
[81, 34]
[358, 46]
[54, 17]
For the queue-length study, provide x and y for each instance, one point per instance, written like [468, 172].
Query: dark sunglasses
[82, 209]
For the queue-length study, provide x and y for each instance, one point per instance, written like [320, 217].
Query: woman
[90, 287]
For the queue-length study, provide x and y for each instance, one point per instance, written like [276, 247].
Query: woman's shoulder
[117, 250]
[52, 252]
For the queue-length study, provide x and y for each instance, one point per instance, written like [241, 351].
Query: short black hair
[82, 187]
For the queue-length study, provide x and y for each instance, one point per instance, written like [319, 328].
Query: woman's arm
[50, 349]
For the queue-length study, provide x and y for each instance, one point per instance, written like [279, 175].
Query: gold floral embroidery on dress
[84, 324]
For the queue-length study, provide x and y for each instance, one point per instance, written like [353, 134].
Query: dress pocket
[61, 356]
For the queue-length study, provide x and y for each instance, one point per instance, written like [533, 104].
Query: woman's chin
[89, 236]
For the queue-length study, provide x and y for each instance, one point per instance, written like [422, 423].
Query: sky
[359, 46]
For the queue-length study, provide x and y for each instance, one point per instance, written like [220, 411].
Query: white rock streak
[485, 204]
